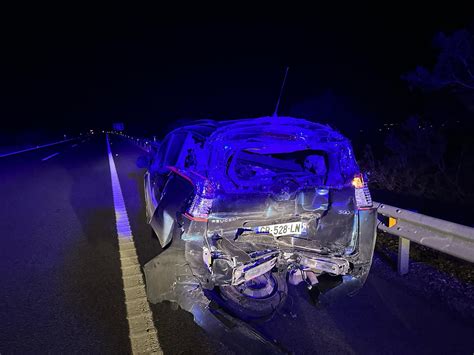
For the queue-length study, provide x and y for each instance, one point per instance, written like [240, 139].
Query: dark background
[69, 70]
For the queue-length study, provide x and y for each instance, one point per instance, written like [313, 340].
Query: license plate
[293, 228]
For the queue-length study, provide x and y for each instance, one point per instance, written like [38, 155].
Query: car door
[150, 200]
[175, 198]
[166, 194]
[154, 179]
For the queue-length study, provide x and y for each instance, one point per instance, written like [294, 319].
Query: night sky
[74, 70]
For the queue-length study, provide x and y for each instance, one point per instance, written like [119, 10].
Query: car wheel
[257, 298]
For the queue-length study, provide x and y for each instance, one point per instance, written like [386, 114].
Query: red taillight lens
[196, 219]
[200, 208]
[362, 193]
[202, 202]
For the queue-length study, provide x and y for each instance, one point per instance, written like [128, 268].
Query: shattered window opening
[262, 167]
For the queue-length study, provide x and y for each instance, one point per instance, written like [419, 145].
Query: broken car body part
[253, 203]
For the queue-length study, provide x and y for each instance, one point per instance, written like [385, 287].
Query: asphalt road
[61, 289]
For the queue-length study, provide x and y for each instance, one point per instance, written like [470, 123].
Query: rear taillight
[202, 202]
[361, 191]
[358, 181]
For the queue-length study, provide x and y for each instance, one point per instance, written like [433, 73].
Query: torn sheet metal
[169, 278]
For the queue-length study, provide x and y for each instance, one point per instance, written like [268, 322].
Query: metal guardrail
[146, 144]
[447, 237]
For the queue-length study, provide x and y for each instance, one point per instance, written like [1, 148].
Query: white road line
[74, 145]
[34, 148]
[49, 156]
[142, 331]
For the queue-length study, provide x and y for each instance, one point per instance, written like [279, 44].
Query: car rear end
[288, 202]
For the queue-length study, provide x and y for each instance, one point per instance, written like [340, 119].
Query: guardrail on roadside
[145, 144]
[447, 237]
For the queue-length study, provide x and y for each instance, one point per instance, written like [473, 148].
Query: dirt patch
[437, 275]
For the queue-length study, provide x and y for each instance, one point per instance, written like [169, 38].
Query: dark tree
[454, 69]
[417, 162]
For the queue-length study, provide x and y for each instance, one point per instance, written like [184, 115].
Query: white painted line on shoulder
[49, 156]
[34, 148]
[142, 332]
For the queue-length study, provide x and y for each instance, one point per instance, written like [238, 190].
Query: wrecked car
[253, 205]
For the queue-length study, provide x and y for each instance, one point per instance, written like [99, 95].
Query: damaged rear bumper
[271, 259]
[228, 264]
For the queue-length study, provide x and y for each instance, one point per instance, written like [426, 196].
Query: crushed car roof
[283, 128]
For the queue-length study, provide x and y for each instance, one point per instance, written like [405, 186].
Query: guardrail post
[403, 255]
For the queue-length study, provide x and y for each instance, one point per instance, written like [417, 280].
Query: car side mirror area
[143, 162]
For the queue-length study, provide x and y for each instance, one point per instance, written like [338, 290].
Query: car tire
[245, 306]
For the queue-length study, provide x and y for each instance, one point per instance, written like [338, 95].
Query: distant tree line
[433, 161]
[453, 71]
[424, 161]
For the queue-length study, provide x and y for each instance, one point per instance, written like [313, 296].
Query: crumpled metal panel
[268, 135]
[169, 278]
